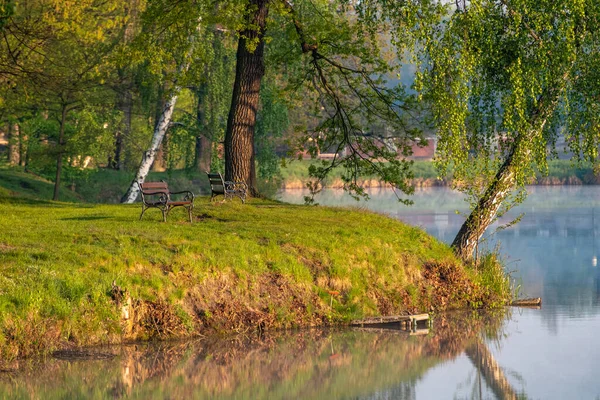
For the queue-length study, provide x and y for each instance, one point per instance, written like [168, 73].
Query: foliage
[340, 66]
[505, 78]
[271, 123]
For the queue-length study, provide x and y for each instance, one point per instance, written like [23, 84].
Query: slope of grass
[76, 274]
[16, 183]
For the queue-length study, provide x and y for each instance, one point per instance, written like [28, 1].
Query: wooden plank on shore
[390, 319]
[533, 302]
[419, 317]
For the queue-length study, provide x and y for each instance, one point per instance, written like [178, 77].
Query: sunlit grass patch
[260, 265]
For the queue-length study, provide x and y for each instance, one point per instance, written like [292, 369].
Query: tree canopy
[501, 82]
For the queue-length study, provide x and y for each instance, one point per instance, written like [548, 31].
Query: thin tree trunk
[494, 376]
[59, 155]
[250, 69]
[14, 156]
[505, 180]
[148, 157]
[23, 145]
[484, 213]
[203, 154]
[125, 103]
[159, 160]
[125, 106]
[203, 148]
[160, 130]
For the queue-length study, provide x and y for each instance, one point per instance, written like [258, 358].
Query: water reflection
[552, 253]
[316, 364]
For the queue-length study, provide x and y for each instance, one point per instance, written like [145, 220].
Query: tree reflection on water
[311, 364]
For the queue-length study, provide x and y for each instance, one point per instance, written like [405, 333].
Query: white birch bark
[159, 130]
[149, 155]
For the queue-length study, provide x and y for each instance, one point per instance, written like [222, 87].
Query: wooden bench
[157, 195]
[229, 189]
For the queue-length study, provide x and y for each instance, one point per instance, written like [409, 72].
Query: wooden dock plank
[390, 319]
[533, 302]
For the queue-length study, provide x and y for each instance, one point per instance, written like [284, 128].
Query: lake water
[547, 353]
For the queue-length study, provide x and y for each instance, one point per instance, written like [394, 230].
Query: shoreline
[296, 184]
[77, 275]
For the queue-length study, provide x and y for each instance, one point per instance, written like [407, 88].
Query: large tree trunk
[14, 156]
[148, 157]
[59, 153]
[239, 136]
[203, 149]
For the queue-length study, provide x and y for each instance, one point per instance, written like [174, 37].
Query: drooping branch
[505, 179]
[348, 94]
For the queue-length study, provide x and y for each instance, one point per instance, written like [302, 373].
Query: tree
[124, 87]
[167, 46]
[213, 99]
[250, 69]
[504, 80]
[56, 56]
[340, 63]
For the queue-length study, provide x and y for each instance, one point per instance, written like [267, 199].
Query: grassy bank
[77, 274]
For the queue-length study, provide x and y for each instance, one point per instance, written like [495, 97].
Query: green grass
[14, 182]
[237, 266]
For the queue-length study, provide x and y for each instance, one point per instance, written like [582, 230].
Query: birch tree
[505, 80]
[159, 47]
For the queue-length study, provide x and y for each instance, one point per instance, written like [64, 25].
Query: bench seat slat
[154, 185]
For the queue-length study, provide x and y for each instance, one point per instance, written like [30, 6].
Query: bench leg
[165, 211]
[143, 211]
[190, 212]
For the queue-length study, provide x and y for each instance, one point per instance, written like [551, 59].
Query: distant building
[424, 152]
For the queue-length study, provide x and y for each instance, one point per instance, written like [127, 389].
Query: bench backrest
[217, 186]
[153, 187]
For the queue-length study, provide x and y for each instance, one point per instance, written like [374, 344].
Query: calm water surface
[550, 353]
